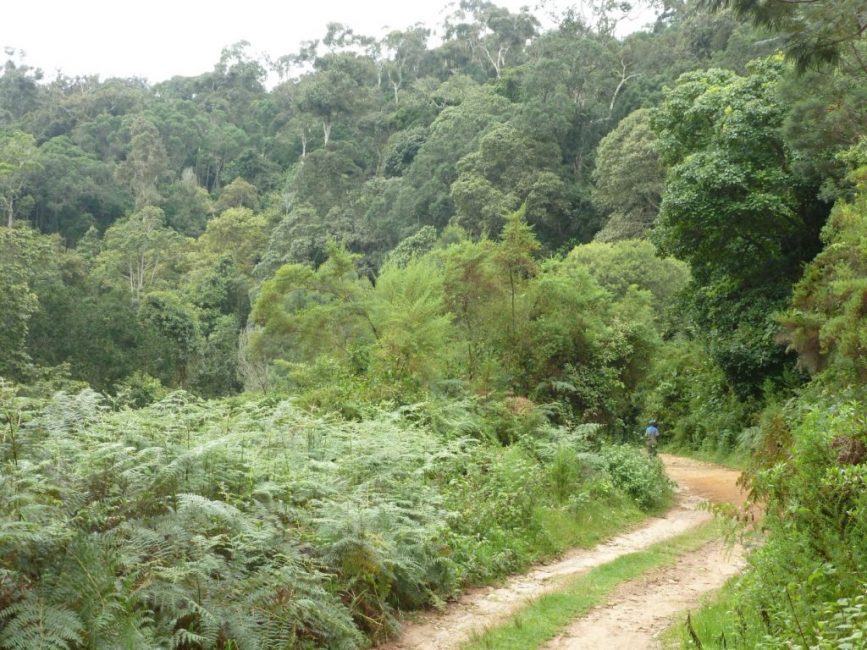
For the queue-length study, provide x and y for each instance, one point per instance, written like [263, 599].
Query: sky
[158, 39]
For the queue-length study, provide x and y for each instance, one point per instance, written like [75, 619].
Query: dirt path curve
[482, 608]
[639, 610]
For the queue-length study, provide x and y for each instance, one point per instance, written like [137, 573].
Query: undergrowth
[807, 584]
[249, 523]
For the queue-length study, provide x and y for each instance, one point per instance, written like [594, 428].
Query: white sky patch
[159, 39]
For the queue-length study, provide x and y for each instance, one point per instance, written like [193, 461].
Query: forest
[296, 346]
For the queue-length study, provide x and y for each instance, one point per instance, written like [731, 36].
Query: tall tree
[629, 178]
[138, 250]
[146, 162]
[734, 210]
[18, 159]
[494, 35]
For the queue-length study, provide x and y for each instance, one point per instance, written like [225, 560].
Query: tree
[303, 314]
[494, 180]
[406, 50]
[515, 254]
[18, 159]
[619, 265]
[301, 237]
[146, 162]
[413, 330]
[335, 90]
[825, 323]
[237, 234]
[731, 197]
[735, 211]
[425, 198]
[815, 32]
[74, 190]
[238, 194]
[19, 89]
[628, 178]
[494, 35]
[471, 285]
[28, 264]
[139, 250]
[187, 205]
[172, 336]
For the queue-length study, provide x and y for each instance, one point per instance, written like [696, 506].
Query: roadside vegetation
[279, 364]
[254, 523]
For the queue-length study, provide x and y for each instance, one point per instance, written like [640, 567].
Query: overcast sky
[158, 39]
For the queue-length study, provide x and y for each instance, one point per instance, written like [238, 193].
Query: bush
[640, 477]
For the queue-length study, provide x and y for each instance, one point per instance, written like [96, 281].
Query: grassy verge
[708, 623]
[713, 624]
[595, 522]
[546, 616]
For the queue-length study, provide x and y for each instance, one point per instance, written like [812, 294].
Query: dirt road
[626, 621]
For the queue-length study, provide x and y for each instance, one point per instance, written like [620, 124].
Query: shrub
[640, 477]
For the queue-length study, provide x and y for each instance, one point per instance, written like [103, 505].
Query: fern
[252, 524]
[32, 623]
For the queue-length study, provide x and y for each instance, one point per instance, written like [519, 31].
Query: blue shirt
[651, 432]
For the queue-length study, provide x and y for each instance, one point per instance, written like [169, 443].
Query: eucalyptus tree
[405, 51]
[18, 160]
[138, 251]
[494, 36]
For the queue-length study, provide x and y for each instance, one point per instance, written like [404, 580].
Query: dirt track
[627, 621]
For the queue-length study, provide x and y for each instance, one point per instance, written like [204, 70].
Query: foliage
[629, 178]
[248, 522]
[411, 325]
[367, 142]
[642, 478]
[691, 398]
[619, 265]
[28, 268]
[732, 198]
[18, 158]
[138, 251]
[815, 33]
[395, 235]
[826, 323]
[805, 584]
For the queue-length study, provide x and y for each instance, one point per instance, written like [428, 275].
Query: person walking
[651, 433]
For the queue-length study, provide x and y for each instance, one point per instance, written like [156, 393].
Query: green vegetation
[253, 523]
[806, 582]
[280, 363]
[710, 623]
[549, 614]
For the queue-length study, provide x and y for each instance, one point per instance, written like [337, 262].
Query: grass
[714, 624]
[596, 521]
[542, 619]
[557, 529]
